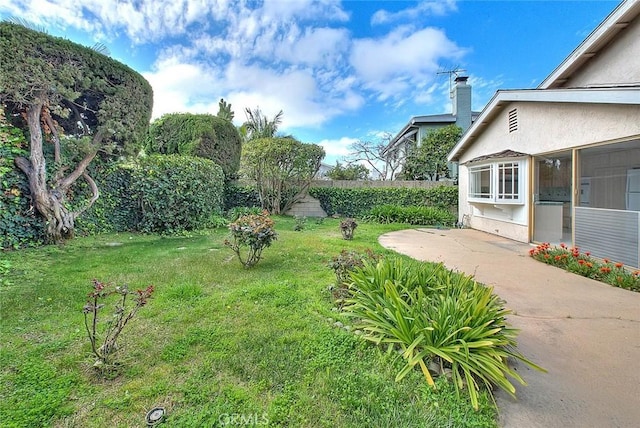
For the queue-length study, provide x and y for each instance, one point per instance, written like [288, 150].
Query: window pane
[508, 181]
[480, 183]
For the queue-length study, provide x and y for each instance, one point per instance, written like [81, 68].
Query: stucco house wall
[618, 64]
[542, 128]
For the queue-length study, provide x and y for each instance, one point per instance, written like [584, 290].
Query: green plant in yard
[347, 261]
[236, 212]
[436, 317]
[5, 267]
[411, 214]
[104, 339]
[347, 227]
[300, 223]
[255, 232]
[582, 263]
[214, 341]
[343, 265]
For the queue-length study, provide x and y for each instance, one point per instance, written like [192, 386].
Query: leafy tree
[224, 110]
[283, 168]
[74, 102]
[202, 135]
[373, 154]
[348, 172]
[259, 126]
[428, 161]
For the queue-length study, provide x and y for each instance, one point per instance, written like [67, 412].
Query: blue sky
[341, 71]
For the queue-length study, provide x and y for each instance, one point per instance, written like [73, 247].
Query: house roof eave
[615, 22]
[622, 95]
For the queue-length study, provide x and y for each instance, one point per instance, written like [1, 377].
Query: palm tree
[259, 126]
[224, 110]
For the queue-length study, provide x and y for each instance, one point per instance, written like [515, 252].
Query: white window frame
[506, 182]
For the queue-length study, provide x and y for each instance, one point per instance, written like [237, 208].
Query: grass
[216, 345]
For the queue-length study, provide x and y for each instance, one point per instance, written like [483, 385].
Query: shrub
[418, 215]
[358, 202]
[343, 265]
[572, 260]
[254, 232]
[237, 212]
[236, 195]
[347, 227]
[202, 135]
[104, 339]
[116, 210]
[176, 193]
[439, 318]
[300, 223]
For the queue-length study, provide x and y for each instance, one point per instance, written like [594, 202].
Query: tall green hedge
[202, 135]
[357, 202]
[117, 209]
[240, 195]
[160, 194]
[177, 193]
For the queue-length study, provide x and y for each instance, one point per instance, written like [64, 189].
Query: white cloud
[336, 149]
[424, 8]
[296, 56]
[314, 46]
[182, 87]
[410, 59]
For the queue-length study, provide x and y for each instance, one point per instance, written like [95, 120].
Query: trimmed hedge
[359, 202]
[239, 195]
[116, 210]
[417, 215]
[160, 194]
[202, 135]
[177, 193]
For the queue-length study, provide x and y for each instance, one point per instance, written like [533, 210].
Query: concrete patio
[585, 333]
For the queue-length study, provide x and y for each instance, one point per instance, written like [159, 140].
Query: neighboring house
[323, 171]
[561, 163]
[419, 126]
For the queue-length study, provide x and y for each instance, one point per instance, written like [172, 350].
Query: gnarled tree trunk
[50, 201]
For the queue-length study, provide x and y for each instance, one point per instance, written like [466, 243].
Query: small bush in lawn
[581, 263]
[345, 263]
[103, 335]
[251, 233]
[436, 318]
[347, 227]
[300, 223]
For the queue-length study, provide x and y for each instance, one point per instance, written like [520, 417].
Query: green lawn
[216, 341]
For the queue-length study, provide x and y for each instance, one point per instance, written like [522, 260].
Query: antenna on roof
[452, 72]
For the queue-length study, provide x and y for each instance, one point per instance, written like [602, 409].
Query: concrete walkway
[585, 333]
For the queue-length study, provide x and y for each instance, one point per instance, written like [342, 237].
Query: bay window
[496, 182]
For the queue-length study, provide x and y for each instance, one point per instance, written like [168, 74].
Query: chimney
[462, 102]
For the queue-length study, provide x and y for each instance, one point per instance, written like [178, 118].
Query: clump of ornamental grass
[438, 320]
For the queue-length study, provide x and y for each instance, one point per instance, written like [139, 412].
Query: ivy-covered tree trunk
[74, 96]
[50, 201]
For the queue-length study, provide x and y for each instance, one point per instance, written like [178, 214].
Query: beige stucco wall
[618, 64]
[542, 128]
[548, 127]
